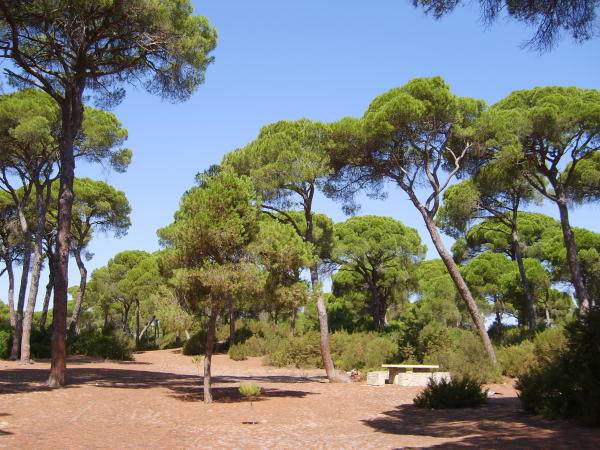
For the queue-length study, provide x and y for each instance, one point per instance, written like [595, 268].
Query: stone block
[377, 378]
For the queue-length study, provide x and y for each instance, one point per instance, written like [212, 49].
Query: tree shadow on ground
[233, 395]
[2, 432]
[185, 387]
[500, 423]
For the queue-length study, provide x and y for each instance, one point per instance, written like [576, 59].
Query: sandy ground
[156, 402]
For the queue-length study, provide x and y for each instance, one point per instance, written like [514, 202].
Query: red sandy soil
[156, 402]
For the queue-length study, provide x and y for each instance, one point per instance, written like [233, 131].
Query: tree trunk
[49, 288]
[378, 306]
[11, 293]
[531, 316]
[231, 325]
[323, 327]
[210, 342]
[41, 206]
[293, 319]
[146, 327]
[137, 323]
[572, 259]
[461, 286]
[72, 116]
[16, 343]
[80, 293]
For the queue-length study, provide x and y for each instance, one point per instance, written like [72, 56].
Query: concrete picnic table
[413, 374]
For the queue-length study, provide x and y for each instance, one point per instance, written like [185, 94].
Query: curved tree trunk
[531, 317]
[572, 259]
[461, 285]
[80, 293]
[16, 344]
[137, 323]
[210, 342]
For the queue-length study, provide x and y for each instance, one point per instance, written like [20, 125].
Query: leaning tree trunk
[137, 323]
[72, 116]
[46, 303]
[530, 303]
[16, 343]
[210, 342]
[460, 283]
[11, 292]
[41, 206]
[572, 259]
[332, 376]
[80, 293]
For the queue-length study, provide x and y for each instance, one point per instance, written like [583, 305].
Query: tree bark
[16, 344]
[137, 323]
[11, 292]
[332, 376]
[231, 325]
[531, 317]
[461, 285]
[49, 288]
[72, 117]
[41, 206]
[572, 259]
[210, 342]
[80, 293]
[146, 327]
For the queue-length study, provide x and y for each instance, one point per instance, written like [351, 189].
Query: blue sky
[323, 60]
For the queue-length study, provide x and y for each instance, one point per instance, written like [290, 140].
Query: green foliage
[41, 342]
[565, 383]
[458, 351]
[249, 389]
[5, 343]
[457, 393]
[362, 350]
[299, 351]
[113, 344]
[169, 340]
[195, 345]
[516, 360]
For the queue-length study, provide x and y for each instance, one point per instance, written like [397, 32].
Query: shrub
[362, 350]
[169, 340]
[565, 383]
[298, 351]
[516, 360]
[5, 343]
[112, 344]
[249, 389]
[195, 345]
[41, 342]
[457, 393]
[463, 355]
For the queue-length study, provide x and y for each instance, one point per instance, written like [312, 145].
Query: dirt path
[156, 402]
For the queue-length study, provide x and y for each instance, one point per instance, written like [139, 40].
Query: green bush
[41, 342]
[462, 354]
[565, 382]
[299, 351]
[362, 350]
[5, 343]
[169, 340]
[516, 360]
[456, 393]
[195, 345]
[112, 344]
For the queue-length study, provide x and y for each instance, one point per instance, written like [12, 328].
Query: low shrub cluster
[564, 382]
[111, 344]
[457, 393]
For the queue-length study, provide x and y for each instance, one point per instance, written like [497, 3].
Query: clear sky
[322, 60]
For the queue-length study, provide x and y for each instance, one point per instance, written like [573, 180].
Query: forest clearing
[156, 402]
